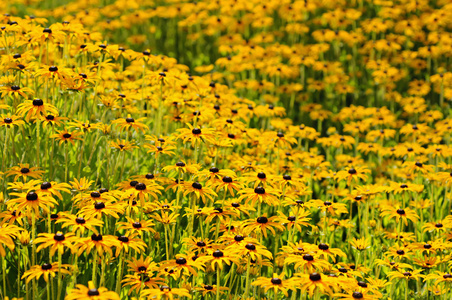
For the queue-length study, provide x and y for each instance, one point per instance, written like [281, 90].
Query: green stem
[59, 276]
[94, 278]
[247, 288]
[218, 283]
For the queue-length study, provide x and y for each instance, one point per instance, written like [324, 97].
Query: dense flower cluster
[225, 149]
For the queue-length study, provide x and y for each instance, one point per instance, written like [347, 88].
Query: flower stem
[59, 276]
[94, 278]
[218, 283]
[247, 288]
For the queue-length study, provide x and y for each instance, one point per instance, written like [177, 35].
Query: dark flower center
[362, 284]
[259, 190]
[46, 185]
[418, 164]
[214, 170]
[287, 177]
[447, 276]
[308, 257]
[80, 220]
[400, 252]
[197, 185]
[342, 270]
[93, 292]
[239, 238]
[180, 164]
[53, 69]
[276, 281]
[46, 266]
[136, 225]
[15, 87]
[262, 220]
[196, 131]
[438, 225]
[25, 170]
[96, 237]
[181, 261]
[149, 176]
[235, 204]
[291, 218]
[407, 274]
[261, 175]
[67, 135]
[99, 205]
[404, 186]
[130, 120]
[133, 183]
[123, 239]
[95, 194]
[427, 246]
[8, 120]
[323, 246]
[315, 276]
[140, 186]
[201, 244]
[59, 237]
[47, 30]
[401, 211]
[32, 196]
[250, 246]
[217, 253]
[208, 287]
[142, 269]
[227, 179]
[357, 295]
[352, 171]
[280, 134]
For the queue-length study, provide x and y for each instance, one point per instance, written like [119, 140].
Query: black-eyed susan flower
[165, 291]
[32, 202]
[65, 136]
[261, 225]
[24, 171]
[122, 145]
[100, 243]
[56, 241]
[137, 226]
[399, 214]
[196, 135]
[277, 283]
[260, 194]
[129, 122]
[10, 121]
[129, 241]
[35, 109]
[80, 224]
[142, 265]
[90, 292]
[46, 270]
[314, 283]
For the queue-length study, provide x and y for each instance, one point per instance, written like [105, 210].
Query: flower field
[227, 149]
